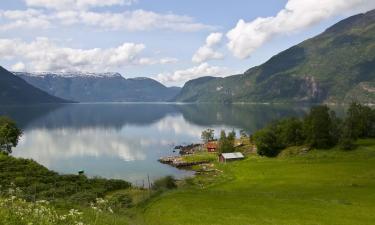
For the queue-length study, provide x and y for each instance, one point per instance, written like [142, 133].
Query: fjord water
[124, 141]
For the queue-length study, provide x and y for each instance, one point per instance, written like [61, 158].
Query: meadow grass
[319, 187]
[201, 156]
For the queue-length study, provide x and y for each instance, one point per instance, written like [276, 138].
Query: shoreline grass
[324, 187]
[320, 187]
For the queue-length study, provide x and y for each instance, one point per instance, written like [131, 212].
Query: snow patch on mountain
[69, 74]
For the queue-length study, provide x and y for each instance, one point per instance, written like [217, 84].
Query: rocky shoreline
[179, 162]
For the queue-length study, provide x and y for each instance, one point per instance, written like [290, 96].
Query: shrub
[37, 182]
[320, 127]
[16, 211]
[121, 200]
[164, 183]
[290, 132]
[347, 144]
[226, 143]
[83, 197]
[267, 142]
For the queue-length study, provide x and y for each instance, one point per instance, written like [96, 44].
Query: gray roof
[234, 155]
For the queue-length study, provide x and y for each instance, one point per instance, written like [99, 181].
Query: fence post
[149, 184]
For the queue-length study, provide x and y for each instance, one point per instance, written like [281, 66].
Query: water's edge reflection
[125, 140]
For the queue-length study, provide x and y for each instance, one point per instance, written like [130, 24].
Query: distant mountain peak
[140, 78]
[99, 87]
[69, 74]
[14, 90]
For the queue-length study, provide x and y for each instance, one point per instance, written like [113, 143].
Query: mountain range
[337, 66]
[14, 90]
[100, 87]
[334, 67]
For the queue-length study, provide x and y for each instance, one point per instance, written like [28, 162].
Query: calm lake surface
[124, 141]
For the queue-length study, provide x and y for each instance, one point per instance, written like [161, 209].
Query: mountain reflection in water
[125, 140]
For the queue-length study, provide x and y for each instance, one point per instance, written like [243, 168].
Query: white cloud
[86, 142]
[168, 60]
[150, 61]
[45, 55]
[181, 76]
[76, 4]
[208, 52]
[214, 39]
[19, 67]
[137, 20]
[30, 18]
[246, 37]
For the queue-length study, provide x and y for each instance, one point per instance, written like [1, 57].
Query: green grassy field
[320, 187]
[202, 156]
[315, 188]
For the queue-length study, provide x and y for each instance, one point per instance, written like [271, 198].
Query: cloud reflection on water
[125, 140]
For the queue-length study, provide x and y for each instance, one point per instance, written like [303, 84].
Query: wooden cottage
[211, 147]
[224, 157]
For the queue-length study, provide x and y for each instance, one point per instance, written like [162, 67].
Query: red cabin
[211, 147]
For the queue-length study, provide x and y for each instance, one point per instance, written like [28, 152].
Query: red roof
[211, 145]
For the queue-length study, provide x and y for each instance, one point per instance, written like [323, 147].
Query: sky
[172, 41]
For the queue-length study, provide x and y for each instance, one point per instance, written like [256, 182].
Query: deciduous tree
[9, 134]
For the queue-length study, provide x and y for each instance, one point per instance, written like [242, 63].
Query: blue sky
[161, 39]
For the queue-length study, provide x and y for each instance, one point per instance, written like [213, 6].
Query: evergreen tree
[226, 143]
[319, 127]
[360, 119]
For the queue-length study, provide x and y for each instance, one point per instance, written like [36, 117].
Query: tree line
[225, 143]
[320, 129]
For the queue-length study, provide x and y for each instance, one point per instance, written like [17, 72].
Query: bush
[16, 211]
[226, 143]
[347, 137]
[320, 128]
[121, 200]
[267, 142]
[83, 197]
[347, 144]
[290, 132]
[37, 182]
[165, 183]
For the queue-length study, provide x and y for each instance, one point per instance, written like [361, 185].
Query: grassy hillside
[320, 187]
[32, 194]
[336, 66]
[38, 183]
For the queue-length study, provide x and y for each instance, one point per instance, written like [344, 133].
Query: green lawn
[316, 188]
[322, 187]
[201, 156]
